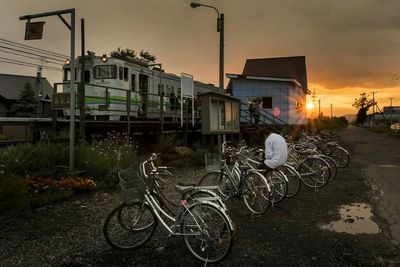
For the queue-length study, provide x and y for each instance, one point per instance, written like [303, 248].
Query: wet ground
[316, 228]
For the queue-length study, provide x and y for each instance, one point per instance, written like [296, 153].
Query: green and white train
[109, 82]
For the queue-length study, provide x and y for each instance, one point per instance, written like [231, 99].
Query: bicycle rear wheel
[255, 192]
[341, 157]
[314, 172]
[129, 226]
[294, 180]
[207, 232]
[225, 187]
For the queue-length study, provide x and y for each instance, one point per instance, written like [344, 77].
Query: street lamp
[220, 29]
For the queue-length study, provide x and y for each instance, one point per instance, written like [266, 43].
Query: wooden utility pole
[331, 111]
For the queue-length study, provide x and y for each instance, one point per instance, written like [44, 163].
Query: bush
[24, 159]
[328, 124]
[103, 159]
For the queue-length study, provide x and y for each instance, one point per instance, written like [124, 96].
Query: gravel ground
[70, 233]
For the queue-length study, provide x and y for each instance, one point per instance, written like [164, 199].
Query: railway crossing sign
[60, 101]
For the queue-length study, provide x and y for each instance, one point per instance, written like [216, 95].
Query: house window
[267, 102]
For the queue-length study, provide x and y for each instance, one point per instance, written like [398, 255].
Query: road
[379, 156]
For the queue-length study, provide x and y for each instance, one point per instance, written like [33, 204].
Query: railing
[142, 104]
[266, 118]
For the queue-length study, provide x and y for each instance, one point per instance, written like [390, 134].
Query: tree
[145, 55]
[123, 54]
[127, 53]
[362, 104]
[27, 103]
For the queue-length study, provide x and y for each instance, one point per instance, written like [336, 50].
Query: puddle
[354, 219]
[388, 166]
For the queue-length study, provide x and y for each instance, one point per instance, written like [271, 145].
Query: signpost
[35, 32]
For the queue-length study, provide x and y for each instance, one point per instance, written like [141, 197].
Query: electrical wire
[27, 64]
[27, 47]
[45, 61]
[13, 49]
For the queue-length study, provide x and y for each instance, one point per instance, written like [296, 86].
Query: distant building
[12, 85]
[389, 116]
[280, 84]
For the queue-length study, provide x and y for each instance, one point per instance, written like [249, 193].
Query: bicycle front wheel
[314, 172]
[340, 156]
[332, 167]
[255, 192]
[207, 232]
[129, 226]
[279, 186]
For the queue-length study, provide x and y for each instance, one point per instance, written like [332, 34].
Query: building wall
[297, 106]
[3, 109]
[288, 99]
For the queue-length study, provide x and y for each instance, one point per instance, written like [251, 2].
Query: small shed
[220, 113]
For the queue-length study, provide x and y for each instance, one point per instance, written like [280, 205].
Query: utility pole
[319, 108]
[373, 108]
[331, 111]
[391, 109]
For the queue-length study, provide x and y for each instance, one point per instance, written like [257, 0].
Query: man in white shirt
[275, 151]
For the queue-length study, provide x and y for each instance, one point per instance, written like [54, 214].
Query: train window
[133, 82]
[105, 72]
[120, 73]
[126, 74]
[87, 76]
[67, 74]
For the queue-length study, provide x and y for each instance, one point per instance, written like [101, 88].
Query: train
[111, 83]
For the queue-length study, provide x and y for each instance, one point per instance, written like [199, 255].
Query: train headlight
[104, 58]
[67, 61]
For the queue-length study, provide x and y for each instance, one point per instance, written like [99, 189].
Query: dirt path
[290, 234]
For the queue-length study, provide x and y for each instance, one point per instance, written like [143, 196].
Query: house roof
[248, 77]
[280, 67]
[11, 85]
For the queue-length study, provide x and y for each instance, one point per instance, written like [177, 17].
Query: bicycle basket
[213, 162]
[132, 185]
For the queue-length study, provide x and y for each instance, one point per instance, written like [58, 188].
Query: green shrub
[17, 159]
[24, 159]
[103, 159]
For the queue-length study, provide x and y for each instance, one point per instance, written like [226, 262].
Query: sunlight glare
[310, 105]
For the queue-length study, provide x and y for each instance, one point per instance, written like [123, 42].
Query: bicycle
[204, 225]
[241, 181]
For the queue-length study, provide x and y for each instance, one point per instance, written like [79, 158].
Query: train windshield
[105, 72]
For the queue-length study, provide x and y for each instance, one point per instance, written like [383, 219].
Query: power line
[13, 53]
[27, 47]
[13, 49]
[27, 64]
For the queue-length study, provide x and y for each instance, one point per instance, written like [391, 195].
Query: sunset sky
[350, 46]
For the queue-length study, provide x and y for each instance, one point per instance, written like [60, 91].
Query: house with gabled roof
[11, 86]
[279, 83]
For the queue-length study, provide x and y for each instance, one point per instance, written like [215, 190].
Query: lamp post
[220, 29]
